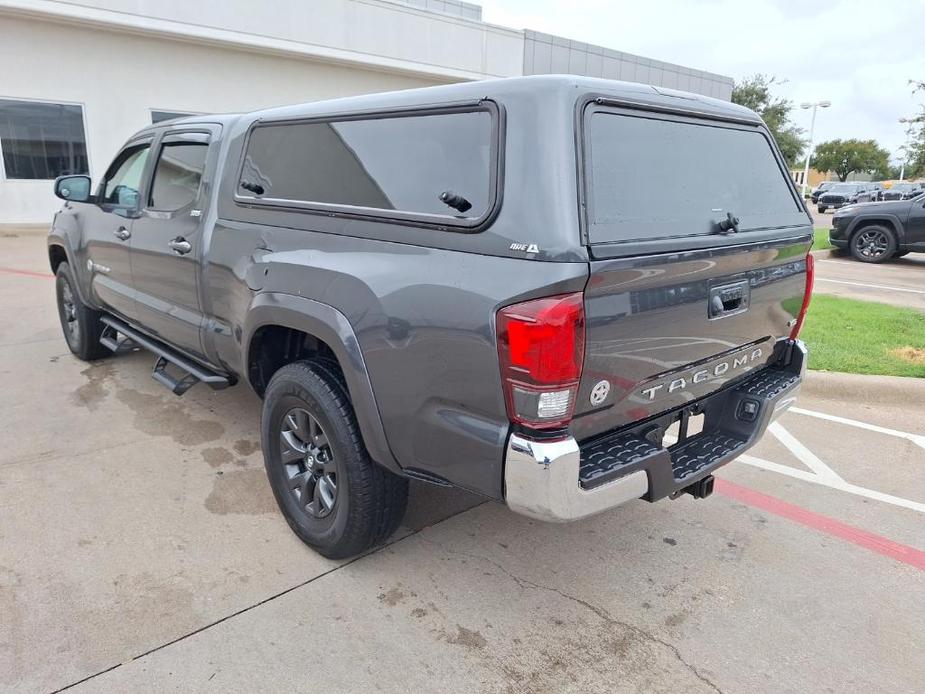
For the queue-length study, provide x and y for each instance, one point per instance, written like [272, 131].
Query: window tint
[654, 178]
[398, 163]
[42, 141]
[123, 180]
[178, 174]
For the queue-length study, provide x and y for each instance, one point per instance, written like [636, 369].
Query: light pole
[812, 126]
[902, 168]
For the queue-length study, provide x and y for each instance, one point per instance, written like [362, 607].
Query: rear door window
[438, 166]
[178, 172]
[655, 178]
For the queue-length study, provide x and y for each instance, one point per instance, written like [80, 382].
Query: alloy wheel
[309, 463]
[68, 312]
[872, 243]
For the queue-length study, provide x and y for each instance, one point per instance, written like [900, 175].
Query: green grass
[863, 337]
[821, 240]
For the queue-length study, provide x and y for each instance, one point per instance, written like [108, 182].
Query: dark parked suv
[481, 285]
[847, 194]
[902, 191]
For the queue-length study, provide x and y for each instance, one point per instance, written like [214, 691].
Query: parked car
[352, 261]
[846, 194]
[876, 233]
[902, 191]
[876, 189]
[820, 189]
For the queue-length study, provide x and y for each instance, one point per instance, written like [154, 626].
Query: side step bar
[191, 373]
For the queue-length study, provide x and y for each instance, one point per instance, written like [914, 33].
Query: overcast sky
[860, 55]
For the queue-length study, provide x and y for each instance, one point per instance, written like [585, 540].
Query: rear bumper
[561, 480]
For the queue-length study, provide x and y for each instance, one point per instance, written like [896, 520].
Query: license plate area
[688, 423]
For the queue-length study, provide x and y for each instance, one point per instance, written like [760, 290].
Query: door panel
[166, 242]
[915, 225]
[107, 227]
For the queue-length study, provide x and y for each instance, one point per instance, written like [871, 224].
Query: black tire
[302, 400]
[873, 244]
[900, 254]
[821, 208]
[80, 324]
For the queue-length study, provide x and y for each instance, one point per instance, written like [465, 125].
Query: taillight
[541, 344]
[810, 276]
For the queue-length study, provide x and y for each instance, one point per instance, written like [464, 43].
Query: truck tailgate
[666, 330]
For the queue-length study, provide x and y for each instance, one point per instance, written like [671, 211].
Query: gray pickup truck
[558, 292]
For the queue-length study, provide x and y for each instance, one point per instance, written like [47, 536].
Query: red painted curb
[27, 273]
[861, 538]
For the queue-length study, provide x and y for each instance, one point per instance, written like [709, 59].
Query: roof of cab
[182, 121]
[567, 88]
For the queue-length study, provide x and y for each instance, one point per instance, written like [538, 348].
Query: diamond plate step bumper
[560, 480]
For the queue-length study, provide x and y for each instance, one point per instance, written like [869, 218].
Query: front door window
[123, 180]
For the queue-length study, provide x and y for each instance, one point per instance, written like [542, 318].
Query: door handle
[122, 233]
[180, 245]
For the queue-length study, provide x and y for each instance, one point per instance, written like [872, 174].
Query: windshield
[902, 186]
[843, 188]
[653, 178]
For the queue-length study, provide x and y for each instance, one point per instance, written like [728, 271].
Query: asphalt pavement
[141, 551]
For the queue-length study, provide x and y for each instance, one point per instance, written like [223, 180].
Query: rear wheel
[873, 244]
[821, 208]
[80, 323]
[337, 500]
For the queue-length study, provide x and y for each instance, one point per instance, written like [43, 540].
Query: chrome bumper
[541, 480]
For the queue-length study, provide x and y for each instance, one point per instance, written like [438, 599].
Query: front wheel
[337, 500]
[80, 323]
[821, 208]
[873, 244]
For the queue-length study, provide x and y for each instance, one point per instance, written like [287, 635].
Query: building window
[41, 140]
[161, 116]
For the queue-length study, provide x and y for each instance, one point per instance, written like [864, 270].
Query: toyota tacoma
[480, 285]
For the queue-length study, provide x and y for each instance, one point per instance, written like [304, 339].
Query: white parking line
[839, 485]
[872, 286]
[917, 439]
[805, 456]
[847, 263]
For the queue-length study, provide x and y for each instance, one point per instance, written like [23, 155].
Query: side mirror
[73, 188]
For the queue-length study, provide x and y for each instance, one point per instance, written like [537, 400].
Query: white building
[80, 76]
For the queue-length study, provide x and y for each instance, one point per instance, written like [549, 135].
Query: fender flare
[58, 240]
[332, 327]
[890, 219]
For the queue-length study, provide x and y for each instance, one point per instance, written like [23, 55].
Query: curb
[880, 390]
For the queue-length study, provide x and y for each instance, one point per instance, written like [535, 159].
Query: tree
[755, 93]
[847, 156]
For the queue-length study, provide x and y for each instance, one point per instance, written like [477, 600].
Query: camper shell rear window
[653, 176]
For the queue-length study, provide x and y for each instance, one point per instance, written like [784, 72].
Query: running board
[190, 373]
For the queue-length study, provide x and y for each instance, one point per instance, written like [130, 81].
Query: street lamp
[812, 125]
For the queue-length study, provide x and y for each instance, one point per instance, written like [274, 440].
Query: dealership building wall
[115, 64]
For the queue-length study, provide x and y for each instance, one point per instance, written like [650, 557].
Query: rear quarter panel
[424, 318]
